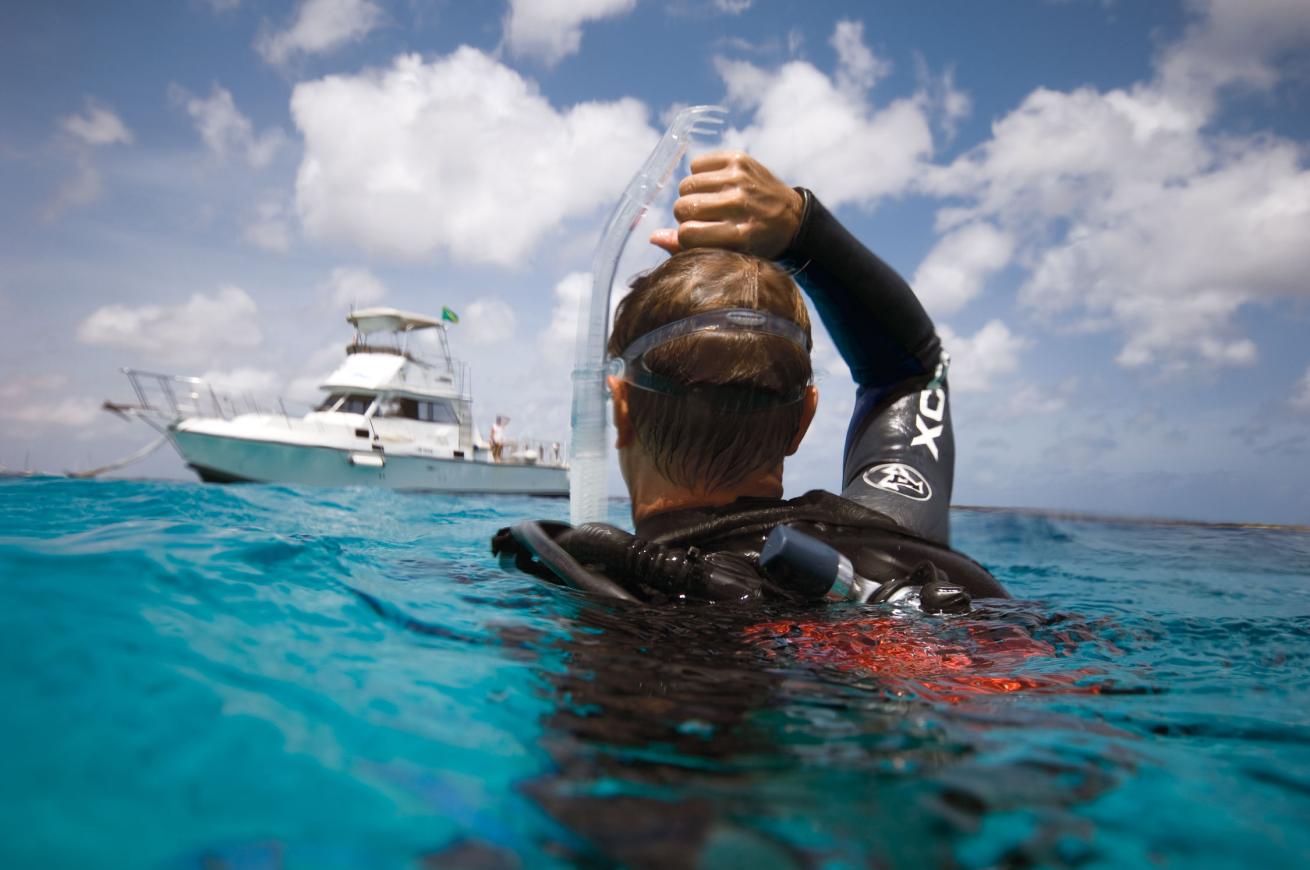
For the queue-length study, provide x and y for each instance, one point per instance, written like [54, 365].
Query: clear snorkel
[588, 453]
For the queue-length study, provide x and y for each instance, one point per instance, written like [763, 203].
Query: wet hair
[693, 440]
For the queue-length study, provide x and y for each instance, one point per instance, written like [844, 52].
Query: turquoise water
[257, 676]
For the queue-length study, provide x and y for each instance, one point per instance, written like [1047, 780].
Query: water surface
[263, 676]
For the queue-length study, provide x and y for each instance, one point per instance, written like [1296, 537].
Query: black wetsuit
[899, 457]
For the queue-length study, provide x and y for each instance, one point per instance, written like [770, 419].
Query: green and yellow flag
[449, 316]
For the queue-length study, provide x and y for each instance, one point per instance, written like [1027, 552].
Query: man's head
[703, 438]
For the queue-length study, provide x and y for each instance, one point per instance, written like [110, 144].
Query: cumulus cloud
[823, 131]
[488, 321]
[193, 332]
[1134, 213]
[459, 155]
[97, 125]
[320, 26]
[225, 129]
[956, 268]
[1232, 42]
[353, 287]
[551, 30]
[977, 360]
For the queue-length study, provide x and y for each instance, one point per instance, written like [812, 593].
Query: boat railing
[177, 397]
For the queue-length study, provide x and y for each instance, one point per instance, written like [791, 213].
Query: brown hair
[691, 442]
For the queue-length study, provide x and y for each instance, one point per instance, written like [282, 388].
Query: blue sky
[1105, 206]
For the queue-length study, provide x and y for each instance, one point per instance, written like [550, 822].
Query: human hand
[732, 201]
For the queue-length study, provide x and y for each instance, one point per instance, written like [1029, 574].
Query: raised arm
[899, 457]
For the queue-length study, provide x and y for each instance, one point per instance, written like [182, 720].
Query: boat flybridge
[392, 418]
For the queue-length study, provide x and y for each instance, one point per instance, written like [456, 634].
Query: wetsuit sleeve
[899, 457]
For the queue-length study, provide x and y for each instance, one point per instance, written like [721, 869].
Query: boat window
[330, 402]
[437, 412]
[356, 404]
[401, 407]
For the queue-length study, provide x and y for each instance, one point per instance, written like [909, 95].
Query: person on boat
[498, 438]
[712, 391]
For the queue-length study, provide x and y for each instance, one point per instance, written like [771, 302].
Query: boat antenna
[587, 466]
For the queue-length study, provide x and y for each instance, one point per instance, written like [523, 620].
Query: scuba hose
[603, 560]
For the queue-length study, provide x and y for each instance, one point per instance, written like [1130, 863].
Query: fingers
[710, 182]
[720, 205]
[715, 160]
[711, 234]
[667, 239]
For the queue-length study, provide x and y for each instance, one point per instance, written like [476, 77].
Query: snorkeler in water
[712, 389]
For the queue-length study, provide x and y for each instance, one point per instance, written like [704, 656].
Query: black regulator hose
[672, 571]
[533, 538]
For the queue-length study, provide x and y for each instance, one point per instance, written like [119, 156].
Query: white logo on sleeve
[900, 479]
[932, 404]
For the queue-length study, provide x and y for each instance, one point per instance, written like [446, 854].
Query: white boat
[392, 418]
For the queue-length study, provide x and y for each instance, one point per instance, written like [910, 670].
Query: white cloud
[1029, 399]
[193, 332]
[19, 386]
[70, 411]
[37, 399]
[460, 155]
[320, 26]
[304, 387]
[857, 67]
[955, 269]
[978, 360]
[270, 229]
[353, 287]
[551, 30]
[97, 126]
[225, 129]
[558, 341]
[822, 131]
[1133, 213]
[732, 7]
[488, 321]
[1232, 42]
[243, 381]
[948, 103]
[1301, 392]
[81, 188]
[956, 104]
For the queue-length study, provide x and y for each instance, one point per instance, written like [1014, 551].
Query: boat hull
[227, 459]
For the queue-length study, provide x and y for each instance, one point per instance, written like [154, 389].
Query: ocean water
[256, 677]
